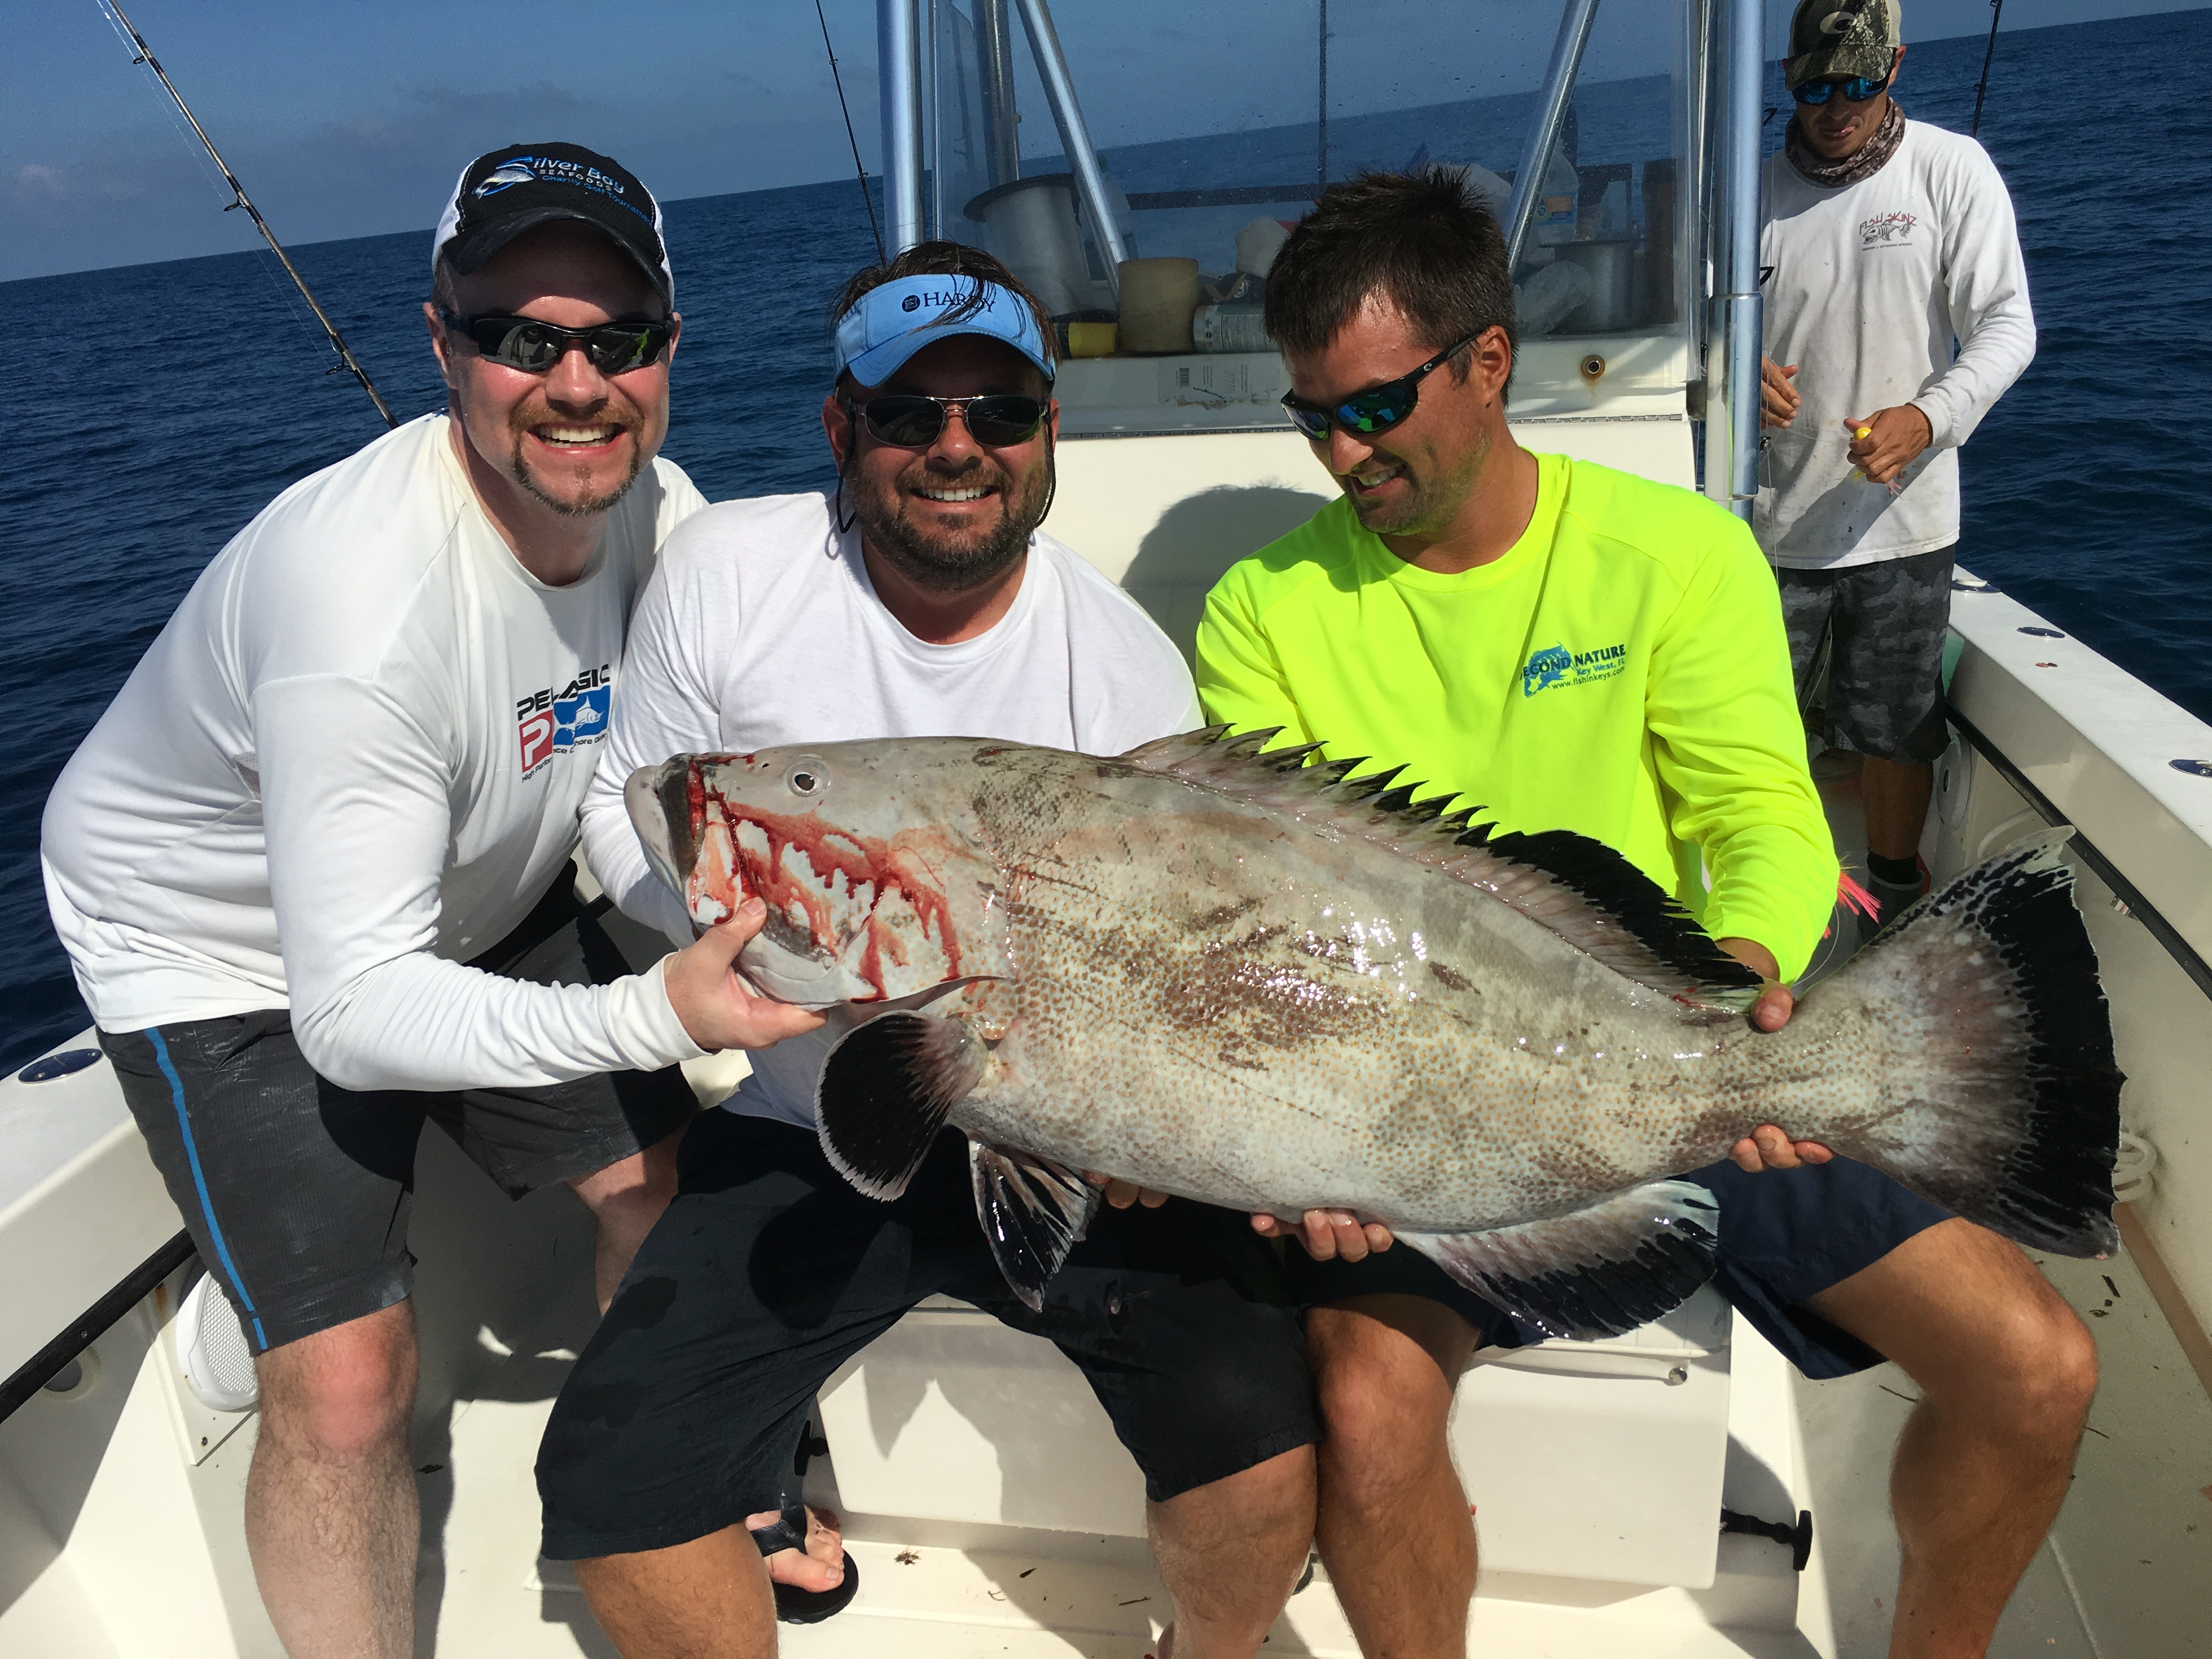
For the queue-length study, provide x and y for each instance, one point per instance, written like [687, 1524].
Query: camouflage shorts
[1884, 624]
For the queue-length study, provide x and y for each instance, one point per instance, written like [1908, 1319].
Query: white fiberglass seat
[1583, 1460]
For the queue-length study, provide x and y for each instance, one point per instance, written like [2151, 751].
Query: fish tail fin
[2003, 1098]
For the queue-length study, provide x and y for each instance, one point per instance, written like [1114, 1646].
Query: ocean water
[152, 410]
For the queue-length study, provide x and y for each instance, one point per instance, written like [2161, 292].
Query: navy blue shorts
[1785, 1235]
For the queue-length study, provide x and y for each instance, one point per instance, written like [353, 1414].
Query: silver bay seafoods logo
[1557, 666]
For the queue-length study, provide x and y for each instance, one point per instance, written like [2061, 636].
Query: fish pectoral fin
[1599, 1271]
[886, 1090]
[1033, 1209]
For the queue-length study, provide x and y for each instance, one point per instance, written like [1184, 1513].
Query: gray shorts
[1884, 625]
[298, 1192]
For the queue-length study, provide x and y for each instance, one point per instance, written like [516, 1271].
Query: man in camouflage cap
[1885, 240]
[1840, 38]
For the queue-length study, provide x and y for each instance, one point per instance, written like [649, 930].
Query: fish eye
[806, 777]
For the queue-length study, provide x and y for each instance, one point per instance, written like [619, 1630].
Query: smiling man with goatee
[312, 865]
[917, 597]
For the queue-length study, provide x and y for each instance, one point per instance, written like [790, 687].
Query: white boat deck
[120, 1528]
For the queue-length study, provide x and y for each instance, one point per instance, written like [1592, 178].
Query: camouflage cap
[1830, 39]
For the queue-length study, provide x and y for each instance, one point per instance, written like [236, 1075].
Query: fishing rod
[881, 256]
[346, 359]
[1996, 8]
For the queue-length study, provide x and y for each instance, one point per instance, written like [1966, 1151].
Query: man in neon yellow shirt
[1579, 648]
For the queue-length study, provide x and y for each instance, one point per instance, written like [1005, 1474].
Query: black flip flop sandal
[794, 1606]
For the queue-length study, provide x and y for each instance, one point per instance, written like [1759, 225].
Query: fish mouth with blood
[1227, 974]
[852, 917]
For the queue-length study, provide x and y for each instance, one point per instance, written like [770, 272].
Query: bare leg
[708, 1599]
[1896, 794]
[331, 1519]
[626, 1199]
[1394, 1525]
[2006, 1373]
[1229, 1552]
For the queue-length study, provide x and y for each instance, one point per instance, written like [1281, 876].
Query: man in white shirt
[311, 864]
[1884, 241]
[773, 622]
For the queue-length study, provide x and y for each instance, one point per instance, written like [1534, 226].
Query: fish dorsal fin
[1580, 889]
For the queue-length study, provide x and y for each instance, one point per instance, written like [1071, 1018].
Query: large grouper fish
[1236, 976]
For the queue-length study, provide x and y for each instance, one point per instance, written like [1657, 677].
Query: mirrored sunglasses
[1857, 89]
[1378, 409]
[534, 347]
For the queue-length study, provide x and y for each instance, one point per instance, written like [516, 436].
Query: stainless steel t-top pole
[240, 199]
[898, 56]
[995, 49]
[1075, 136]
[1736, 317]
[1575, 20]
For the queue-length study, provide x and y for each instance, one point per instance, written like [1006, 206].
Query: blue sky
[349, 117]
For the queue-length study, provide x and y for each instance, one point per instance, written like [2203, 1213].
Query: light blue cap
[894, 321]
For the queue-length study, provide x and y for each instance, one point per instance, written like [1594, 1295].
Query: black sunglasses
[1856, 88]
[910, 421]
[534, 347]
[1378, 409]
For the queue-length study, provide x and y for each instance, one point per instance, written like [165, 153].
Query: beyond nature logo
[551, 722]
[1887, 230]
[1557, 666]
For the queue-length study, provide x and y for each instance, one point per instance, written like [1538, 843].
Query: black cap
[518, 187]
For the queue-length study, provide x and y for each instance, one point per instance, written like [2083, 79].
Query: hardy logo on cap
[885, 327]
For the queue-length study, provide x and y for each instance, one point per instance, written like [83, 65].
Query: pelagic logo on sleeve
[555, 720]
[1555, 665]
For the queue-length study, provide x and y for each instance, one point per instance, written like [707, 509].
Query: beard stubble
[540, 490]
[952, 564]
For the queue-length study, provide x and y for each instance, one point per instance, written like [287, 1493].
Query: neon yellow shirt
[1621, 672]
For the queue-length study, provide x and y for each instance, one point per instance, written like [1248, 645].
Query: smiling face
[955, 515]
[1412, 480]
[569, 441]
[1839, 128]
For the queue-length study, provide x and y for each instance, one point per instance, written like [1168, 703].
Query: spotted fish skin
[1274, 992]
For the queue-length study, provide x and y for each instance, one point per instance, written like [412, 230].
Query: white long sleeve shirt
[351, 761]
[1866, 287]
[761, 627]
